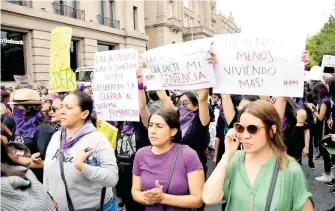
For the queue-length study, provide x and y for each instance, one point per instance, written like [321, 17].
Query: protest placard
[187, 73]
[328, 61]
[181, 66]
[22, 80]
[115, 86]
[61, 76]
[109, 131]
[259, 65]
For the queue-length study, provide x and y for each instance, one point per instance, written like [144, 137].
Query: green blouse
[290, 194]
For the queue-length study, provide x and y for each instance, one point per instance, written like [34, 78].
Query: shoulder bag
[272, 187]
[171, 173]
[68, 198]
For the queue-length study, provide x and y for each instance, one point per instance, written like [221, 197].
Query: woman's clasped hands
[155, 195]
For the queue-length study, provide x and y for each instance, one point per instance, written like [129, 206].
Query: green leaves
[322, 43]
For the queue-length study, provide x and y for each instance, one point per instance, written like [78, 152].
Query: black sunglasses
[252, 129]
[54, 109]
[184, 103]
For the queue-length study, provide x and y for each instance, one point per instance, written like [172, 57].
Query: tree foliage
[322, 43]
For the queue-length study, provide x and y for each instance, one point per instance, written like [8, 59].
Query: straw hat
[25, 96]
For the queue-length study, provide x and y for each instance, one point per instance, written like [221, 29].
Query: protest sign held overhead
[61, 76]
[22, 81]
[259, 65]
[181, 66]
[328, 61]
[115, 86]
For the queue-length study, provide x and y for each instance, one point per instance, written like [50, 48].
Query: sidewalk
[323, 199]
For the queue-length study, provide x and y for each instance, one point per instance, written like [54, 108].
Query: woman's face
[186, 102]
[71, 114]
[253, 142]
[46, 106]
[6, 100]
[159, 131]
[55, 110]
[20, 107]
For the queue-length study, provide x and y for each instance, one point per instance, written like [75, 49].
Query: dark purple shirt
[151, 167]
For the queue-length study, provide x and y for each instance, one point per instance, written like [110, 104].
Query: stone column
[40, 52]
[90, 46]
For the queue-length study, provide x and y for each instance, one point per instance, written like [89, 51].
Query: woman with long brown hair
[262, 176]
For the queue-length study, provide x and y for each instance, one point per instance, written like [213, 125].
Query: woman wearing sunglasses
[55, 112]
[246, 175]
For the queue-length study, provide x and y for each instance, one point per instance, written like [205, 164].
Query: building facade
[225, 25]
[173, 21]
[96, 26]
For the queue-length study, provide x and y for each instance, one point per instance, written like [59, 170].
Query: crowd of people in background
[54, 158]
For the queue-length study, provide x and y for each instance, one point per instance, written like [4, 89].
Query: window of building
[185, 20]
[135, 18]
[103, 47]
[191, 22]
[74, 55]
[111, 9]
[72, 3]
[12, 55]
[170, 9]
[186, 3]
[198, 7]
[101, 12]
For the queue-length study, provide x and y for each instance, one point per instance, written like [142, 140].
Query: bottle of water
[92, 160]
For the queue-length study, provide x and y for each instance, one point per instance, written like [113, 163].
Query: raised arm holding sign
[182, 66]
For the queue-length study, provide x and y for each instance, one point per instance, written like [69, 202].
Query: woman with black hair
[330, 84]
[5, 98]
[55, 112]
[296, 133]
[167, 175]
[80, 166]
[194, 115]
[29, 127]
[321, 115]
[20, 189]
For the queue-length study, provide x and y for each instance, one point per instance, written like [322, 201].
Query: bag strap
[68, 198]
[61, 165]
[171, 172]
[102, 199]
[272, 187]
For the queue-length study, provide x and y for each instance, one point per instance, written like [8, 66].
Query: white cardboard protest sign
[328, 61]
[187, 73]
[181, 66]
[22, 80]
[259, 65]
[115, 86]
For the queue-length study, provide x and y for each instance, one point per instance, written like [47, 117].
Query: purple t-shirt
[151, 167]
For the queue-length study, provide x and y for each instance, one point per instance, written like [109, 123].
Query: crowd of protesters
[54, 158]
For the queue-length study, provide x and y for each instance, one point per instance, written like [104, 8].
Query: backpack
[126, 148]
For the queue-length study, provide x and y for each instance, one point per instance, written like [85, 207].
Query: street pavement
[323, 199]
